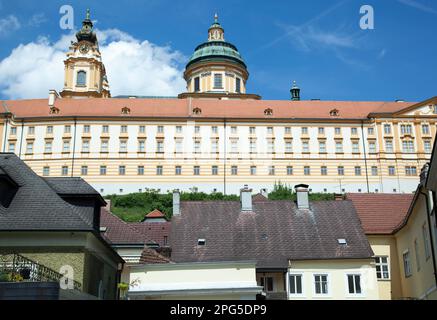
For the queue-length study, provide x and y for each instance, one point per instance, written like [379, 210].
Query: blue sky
[318, 43]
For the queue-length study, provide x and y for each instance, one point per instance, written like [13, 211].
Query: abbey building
[216, 136]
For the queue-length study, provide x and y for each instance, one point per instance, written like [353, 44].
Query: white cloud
[37, 19]
[133, 67]
[418, 5]
[8, 24]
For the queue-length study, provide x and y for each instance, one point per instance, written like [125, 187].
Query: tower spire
[215, 31]
[295, 92]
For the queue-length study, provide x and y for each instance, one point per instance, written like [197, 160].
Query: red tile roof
[150, 256]
[210, 108]
[381, 213]
[259, 197]
[155, 214]
[157, 232]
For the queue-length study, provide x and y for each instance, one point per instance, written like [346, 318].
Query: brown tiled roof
[273, 233]
[210, 108]
[150, 256]
[155, 214]
[381, 213]
[259, 197]
[119, 231]
[156, 232]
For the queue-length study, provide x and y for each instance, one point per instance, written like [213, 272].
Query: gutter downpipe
[365, 157]
[74, 147]
[21, 139]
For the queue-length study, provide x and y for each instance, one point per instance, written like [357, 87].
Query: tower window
[196, 84]
[218, 81]
[238, 85]
[81, 78]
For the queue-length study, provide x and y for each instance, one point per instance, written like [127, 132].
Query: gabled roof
[73, 185]
[155, 214]
[259, 197]
[210, 108]
[154, 233]
[36, 205]
[272, 234]
[381, 213]
[150, 256]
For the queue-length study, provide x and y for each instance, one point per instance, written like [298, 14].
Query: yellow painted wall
[337, 271]
[385, 245]
[421, 284]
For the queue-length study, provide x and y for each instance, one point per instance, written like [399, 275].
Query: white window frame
[302, 294]
[349, 294]
[381, 264]
[328, 284]
[410, 273]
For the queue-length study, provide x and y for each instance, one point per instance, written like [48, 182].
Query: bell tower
[85, 74]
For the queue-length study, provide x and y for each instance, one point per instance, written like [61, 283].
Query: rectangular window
[11, 147]
[382, 270]
[267, 284]
[218, 81]
[305, 146]
[358, 171]
[252, 130]
[306, 170]
[354, 283]
[324, 170]
[410, 171]
[196, 84]
[234, 130]
[159, 146]
[178, 170]
[140, 170]
[85, 146]
[425, 129]
[389, 145]
[49, 129]
[64, 170]
[370, 131]
[122, 170]
[141, 146]
[407, 263]
[295, 283]
[214, 129]
[86, 128]
[321, 284]
[196, 146]
[102, 170]
[406, 129]
[322, 146]
[31, 131]
[288, 146]
[142, 129]
[234, 146]
[304, 130]
[391, 171]
[196, 129]
[123, 145]
[178, 129]
[270, 146]
[105, 129]
[66, 146]
[269, 130]
[355, 147]
[337, 131]
[387, 128]
[374, 170]
[29, 147]
[67, 129]
[252, 170]
[372, 147]
[252, 146]
[160, 129]
[214, 146]
[354, 131]
[46, 171]
[426, 241]
[338, 147]
[234, 170]
[271, 170]
[407, 146]
[416, 251]
[237, 85]
[196, 170]
[340, 170]
[287, 130]
[321, 130]
[48, 147]
[159, 170]
[178, 146]
[289, 170]
[104, 145]
[427, 146]
[84, 170]
[214, 170]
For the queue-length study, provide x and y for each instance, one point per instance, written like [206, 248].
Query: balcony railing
[32, 271]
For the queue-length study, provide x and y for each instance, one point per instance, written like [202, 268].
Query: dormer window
[81, 78]
[125, 110]
[197, 111]
[8, 189]
[268, 112]
[201, 242]
[54, 110]
[334, 113]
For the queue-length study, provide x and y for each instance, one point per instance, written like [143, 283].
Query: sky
[146, 44]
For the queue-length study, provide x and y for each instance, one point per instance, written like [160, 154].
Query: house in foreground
[302, 250]
[50, 230]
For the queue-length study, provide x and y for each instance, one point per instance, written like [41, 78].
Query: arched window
[81, 78]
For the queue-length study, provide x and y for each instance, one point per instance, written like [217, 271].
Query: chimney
[246, 198]
[295, 92]
[302, 196]
[108, 205]
[338, 196]
[176, 202]
[53, 95]
[264, 192]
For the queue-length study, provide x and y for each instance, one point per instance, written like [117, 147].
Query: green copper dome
[216, 51]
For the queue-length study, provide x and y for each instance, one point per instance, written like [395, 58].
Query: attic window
[197, 111]
[54, 110]
[342, 241]
[8, 189]
[103, 229]
[125, 110]
[268, 112]
[201, 242]
[334, 113]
